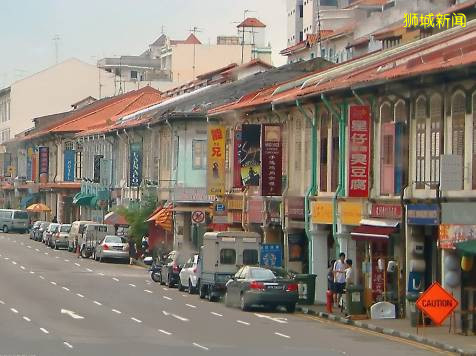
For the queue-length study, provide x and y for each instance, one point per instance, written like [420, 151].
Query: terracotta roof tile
[251, 22]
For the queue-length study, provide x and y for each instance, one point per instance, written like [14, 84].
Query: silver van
[14, 220]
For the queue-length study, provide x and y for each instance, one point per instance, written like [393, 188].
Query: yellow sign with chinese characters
[216, 160]
[440, 21]
[322, 212]
[350, 213]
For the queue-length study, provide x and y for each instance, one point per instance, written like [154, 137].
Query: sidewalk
[438, 337]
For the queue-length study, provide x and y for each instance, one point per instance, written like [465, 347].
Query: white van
[93, 234]
[11, 220]
[76, 233]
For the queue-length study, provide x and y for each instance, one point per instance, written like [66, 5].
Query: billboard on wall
[43, 156]
[237, 145]
[69, 157]
[216, 160]
[271, 173]
[250, 156]
[359, 150]
[135, 169]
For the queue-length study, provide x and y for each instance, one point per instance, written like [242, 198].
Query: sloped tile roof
[251, 22]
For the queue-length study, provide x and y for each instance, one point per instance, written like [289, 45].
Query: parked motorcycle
[155, 270]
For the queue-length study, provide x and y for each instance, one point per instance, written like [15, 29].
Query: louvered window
[335, 154]
[436, 141]
[298, 147]
[420, 117]
[387, 150]
[324, 133]
[458, 113]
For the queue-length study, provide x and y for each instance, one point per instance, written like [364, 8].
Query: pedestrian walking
[349, 274]
[339, 277]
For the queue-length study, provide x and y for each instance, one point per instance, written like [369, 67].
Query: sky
[93, 29]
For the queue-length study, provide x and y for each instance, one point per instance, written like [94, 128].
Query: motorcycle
[155, 272]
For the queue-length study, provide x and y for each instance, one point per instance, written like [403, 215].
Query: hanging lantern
[467, 263]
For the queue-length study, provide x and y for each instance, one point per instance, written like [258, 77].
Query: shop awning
[27, 200]
[93, 203]
[162, 217]
[82, 199]
[113, 218]
[372, 233]
[467, 247]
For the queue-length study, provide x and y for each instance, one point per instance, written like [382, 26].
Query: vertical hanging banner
[359, 150]
[44, 158]
[29, 163]
[271, 160]
[135, 173]
[216, 160]
[69, 156]
[250, 156]
[237, 183]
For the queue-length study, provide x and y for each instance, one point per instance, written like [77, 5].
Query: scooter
[155, 272]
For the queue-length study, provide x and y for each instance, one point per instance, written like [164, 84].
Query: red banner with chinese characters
[359, 150]
[271, 161]
[237, 183]
[216, 160]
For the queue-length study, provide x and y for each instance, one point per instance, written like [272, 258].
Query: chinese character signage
[216, 160]
[237, 183]
[359, 151]
[43, 153]
[271, 255]
[135, 165]
[271, 161]
[440, 21]
[450, 235]
[250, 155]
[69, 156]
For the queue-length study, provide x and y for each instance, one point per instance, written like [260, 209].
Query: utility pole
[194, 30]
[56, 40]
[245, 12]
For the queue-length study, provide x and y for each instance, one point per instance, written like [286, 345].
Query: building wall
[295, 21]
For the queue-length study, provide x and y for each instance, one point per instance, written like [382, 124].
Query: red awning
[372, 233]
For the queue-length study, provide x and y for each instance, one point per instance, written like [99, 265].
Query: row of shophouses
[374, 157]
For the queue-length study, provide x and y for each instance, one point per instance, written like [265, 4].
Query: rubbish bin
[354, 300]
[306, 287]
[414, 312]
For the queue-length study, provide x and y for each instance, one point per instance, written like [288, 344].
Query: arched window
[420, 148]
[458, 113]
[324, 141]
[436, 134]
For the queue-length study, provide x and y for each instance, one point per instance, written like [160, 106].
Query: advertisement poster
[271, 161]
[271, 255]
[296, 244]
[69, 156]
[250, 155]
[135, 172]
[359, 151]
[237, 144]
[43, 154]
[216, 160]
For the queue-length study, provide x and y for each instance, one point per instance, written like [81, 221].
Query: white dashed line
[26, 318]
[242, 322]
[101, 274]
[216, 314]
[6, 258]
[165, 332]
[29, 246]
[97, 303]
[53, 283]
[116, 311]
[41, 277]
[165, 297]
[32, 272]
[80, 295]
[115, 279]
[132, 285]
[66, 289]
[136, 320]
[148, 291]
[165, 288]
[191, 306]
[178, 317]
[37, 250]
[14, 262]
[2, 302]
[44, 330]
[184, 295]
[46, 253]
[89, 269]
[22, 267]
[282, 335]
[68, 345]
[77, 264]
[200, 346]
[66, 260]
[14, 310]
[57, 257]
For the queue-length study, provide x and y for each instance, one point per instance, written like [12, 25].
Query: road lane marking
[66, 289]
[136, 320]
[14, 262]
[14, 310]
[101, 274]
[68, 345]
[165, 297]
[37, 250]
[44, 330]
[282, 335]
[71, 314]
[41, 277]
[97, 303]
[200, 346]
[22, 267]
[178, 317]
[89, 269]
[148, 291]
[165, 332]
[278, 320]
[115, 279]
[80, 295]
[242, 322]
[29, 246]
[77, 264]
[46, 253]
[26, 318]
[216, 314]
[184, 295]
[53, 283]
[116, 311]
[165, 288]
[2, 302]
[191, 306]
[32, 272]
[132, 285]
[57, 257]
[6, 258]
[66, 260]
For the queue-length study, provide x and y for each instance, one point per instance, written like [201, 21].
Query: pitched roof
[159, 42]
[461, 6]
[191, 39]
[251, 22]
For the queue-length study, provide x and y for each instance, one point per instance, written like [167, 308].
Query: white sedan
[188, 277]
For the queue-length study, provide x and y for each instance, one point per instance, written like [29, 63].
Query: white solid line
[165, 297]
[22, 267]
[97, 303]
[178, 317]
[132, 285]
[136, 320]
[147, 291]
[80, 295]
[53, 283]
[68, 345]
[66, 289]
[44, 330]
[57, 257]
[101, 274]
[282, 335]
[242, 322]
[14, 262]
[190, 305]
[116, 311]
[200, 346]
[32, 272]
[77, 264]
[89, 270]
[66, 260]
[216, 314]
[165, 332]
[14, 310]
[26, 318]
[41, 277]
[2, 302]
[115, 279]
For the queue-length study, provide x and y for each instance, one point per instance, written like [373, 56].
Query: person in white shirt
[349, 273]
[339, 276]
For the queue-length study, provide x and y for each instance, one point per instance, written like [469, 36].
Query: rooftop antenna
[56, 40]
[245, 12]
[319, 25]
[194, 30]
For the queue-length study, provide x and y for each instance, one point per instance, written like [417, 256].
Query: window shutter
[387, 170]
[335, 154]
[420, 151]
[324, 133]
[458, 113]
[436, 132]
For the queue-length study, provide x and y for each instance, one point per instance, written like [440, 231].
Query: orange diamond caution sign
[437, 303]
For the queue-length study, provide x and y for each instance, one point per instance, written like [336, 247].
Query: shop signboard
[437, 303]
[250, 155]
[135, 174]
[29, 163]
[237, 182]
[43, 154]
[386, 211]
[350, 213]
[216, 160]
[69, 156]
[271, 160]
[449, 235]
[220, 214]
[359, 150]
[271, 255]
[190, 194]
[295, 208]
[322, 212]
[422, 214]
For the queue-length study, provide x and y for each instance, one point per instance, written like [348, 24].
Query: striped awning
[163, 217]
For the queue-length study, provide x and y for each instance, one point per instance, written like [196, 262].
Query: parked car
[35, 227]
[188, 276]
[169, 273]
[14, 220]
[92, 235]
[40, 231]
[113, 247]
[48, 233]
[76, 233]
[60, 238]
[259, 286]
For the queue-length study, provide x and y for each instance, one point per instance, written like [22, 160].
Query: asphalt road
[52, 303]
